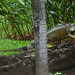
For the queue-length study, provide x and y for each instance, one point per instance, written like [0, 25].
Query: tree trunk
[39, 22]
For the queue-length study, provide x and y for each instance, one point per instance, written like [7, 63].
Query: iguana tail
[30, 46]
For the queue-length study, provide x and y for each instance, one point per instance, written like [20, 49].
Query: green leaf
[57, 73]
[53, 12]
[21, 2]
[50, 74]
[1, 1]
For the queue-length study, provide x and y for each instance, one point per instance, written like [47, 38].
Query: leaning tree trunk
[39, 22]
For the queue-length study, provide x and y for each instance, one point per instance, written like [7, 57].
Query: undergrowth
[7, 44]
[57, 73]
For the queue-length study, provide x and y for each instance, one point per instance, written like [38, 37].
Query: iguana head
[71, 31]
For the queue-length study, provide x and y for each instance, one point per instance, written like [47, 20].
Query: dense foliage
[16, 19]
[59, 11]
[16, 16]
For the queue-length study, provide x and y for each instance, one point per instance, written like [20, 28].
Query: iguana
[55, 34]
[72, 32]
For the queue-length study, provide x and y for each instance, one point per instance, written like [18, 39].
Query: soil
[61, 59]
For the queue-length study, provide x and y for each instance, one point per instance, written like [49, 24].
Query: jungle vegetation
[16, 19]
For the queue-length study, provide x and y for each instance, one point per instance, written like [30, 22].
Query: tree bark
[39, 23]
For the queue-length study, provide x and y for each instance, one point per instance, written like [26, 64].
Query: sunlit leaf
[21, 2]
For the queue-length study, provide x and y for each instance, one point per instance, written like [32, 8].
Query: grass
[6, 44]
